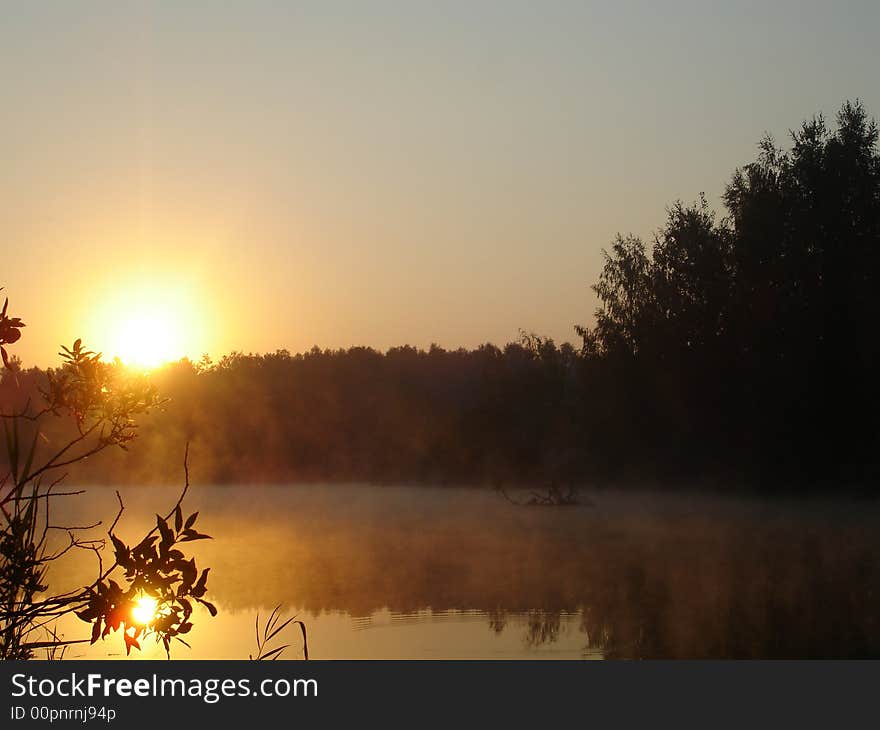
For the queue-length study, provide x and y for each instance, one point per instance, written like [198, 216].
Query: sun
[148, 337]
[148, 323]
[144, 610]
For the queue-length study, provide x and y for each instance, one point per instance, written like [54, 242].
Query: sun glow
[147, 324]
[148, 338]
[144, 610]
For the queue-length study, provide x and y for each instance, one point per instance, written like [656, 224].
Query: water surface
[444, 573]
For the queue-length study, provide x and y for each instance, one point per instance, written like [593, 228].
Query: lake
[402, 572]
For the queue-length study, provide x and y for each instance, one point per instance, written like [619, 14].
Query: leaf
[178, 519]
[191, 520]
[86, 615]
[5, 356]
[122, 551]
[278, 629]
[199, 589]
[96, 630]
[130, 641]
[212, 609]
[162, 524]
[190, 535]
[274, 654]
[188, 571]
[146, 543]
[165, 531]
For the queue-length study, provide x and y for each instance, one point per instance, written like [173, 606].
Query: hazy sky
[293, 173]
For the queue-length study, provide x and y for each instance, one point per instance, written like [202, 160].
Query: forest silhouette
[740, 347]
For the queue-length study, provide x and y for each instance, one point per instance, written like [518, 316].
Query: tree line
[741, 346]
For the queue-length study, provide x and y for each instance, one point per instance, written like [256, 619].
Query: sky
[269, 175]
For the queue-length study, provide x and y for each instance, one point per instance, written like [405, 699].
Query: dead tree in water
[555, 496]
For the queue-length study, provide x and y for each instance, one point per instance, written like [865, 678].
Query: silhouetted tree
[756, 332]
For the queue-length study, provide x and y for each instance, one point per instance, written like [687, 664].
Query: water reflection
[388, 572]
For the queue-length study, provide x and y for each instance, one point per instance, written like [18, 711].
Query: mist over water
[419, 572]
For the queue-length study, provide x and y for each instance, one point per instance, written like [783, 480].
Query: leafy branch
[101, 402]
